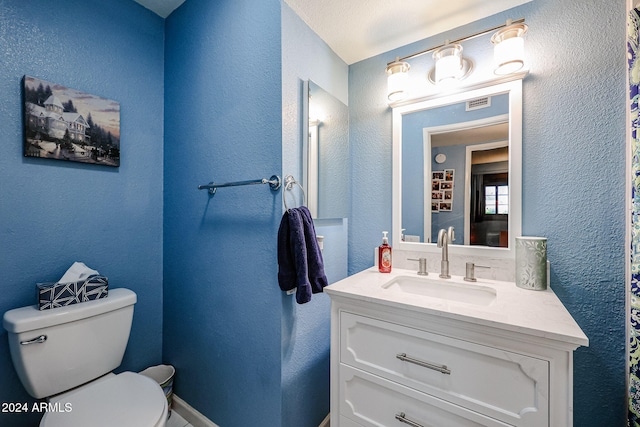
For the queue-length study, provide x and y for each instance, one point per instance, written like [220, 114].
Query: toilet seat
[123, 400]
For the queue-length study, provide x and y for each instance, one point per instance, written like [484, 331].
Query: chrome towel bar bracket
[274, 182]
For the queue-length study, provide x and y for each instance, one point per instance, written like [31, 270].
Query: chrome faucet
[444, 238]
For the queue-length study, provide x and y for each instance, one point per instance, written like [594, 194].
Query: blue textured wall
[305, 56]
[573, 174]
[223, 122]
[306, 328]
[54, 212]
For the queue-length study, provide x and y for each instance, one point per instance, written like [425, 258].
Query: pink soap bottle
[384, 255]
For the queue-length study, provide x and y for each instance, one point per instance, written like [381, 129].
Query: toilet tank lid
[29, 318]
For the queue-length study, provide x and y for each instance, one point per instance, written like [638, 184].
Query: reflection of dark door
[489, 220]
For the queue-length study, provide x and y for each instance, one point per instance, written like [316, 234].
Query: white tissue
[77, 272]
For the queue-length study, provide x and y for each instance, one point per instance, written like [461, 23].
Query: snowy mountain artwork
[67, 124]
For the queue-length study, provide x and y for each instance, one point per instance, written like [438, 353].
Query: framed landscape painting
[67, 124]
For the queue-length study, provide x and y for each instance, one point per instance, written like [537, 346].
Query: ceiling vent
[478, 103]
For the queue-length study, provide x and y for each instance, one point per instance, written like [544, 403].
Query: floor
[177, 421]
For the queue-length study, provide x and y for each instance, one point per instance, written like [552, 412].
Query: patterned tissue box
[53, 295]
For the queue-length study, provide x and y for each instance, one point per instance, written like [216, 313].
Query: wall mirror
[457, 161]
[325, 153]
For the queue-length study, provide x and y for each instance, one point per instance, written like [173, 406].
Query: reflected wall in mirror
[454, 149]
[457, 162]
[326, 154]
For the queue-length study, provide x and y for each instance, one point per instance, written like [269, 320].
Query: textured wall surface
[574, 163]
[54, 212]
[573, 174]
[304, 57]
[306, 328]
[222, 303]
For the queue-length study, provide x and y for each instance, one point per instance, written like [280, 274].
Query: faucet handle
[451, 234]
[422, 266]
[470, 274]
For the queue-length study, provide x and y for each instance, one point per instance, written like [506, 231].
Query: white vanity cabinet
[399, 360]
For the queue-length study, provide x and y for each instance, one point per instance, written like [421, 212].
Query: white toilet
[67, 355]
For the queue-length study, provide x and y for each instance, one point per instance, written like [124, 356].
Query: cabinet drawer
[370, 401]
[504, 385]
[346, 422]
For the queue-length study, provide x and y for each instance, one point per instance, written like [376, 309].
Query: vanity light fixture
[508, 50]
[451, 66]
[448, 62]
[398, 72]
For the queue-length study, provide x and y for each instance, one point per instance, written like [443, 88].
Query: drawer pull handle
[403, 419]
[440, 368]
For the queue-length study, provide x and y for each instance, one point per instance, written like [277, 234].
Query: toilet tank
[58, 349]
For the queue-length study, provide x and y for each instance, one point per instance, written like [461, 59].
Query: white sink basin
[443, 289]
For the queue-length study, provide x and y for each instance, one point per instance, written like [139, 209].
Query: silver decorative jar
[531, 263]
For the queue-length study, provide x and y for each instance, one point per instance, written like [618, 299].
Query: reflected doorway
[489, 195]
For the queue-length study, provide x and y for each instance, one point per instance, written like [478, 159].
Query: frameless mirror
[326, 154]
[457, 162]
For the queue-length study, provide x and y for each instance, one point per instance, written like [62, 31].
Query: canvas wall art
[67, 124]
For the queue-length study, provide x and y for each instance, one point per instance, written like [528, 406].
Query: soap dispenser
[384, 255]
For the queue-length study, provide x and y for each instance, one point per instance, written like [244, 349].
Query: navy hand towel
[292, 256]
[315, 263]
[300, 262]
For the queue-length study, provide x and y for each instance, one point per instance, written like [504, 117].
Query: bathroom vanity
[424, 351]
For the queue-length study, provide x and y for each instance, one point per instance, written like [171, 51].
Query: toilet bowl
[123, 400]
[66, 355]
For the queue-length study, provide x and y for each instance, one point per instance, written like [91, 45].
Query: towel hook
[289, 182]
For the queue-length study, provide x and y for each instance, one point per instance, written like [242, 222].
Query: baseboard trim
[190, 414]
[325, 422]
[196, 419]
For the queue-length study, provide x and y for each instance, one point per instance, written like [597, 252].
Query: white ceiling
[360, 29]
[161, 7]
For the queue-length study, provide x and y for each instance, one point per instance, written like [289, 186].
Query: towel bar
[274, 182]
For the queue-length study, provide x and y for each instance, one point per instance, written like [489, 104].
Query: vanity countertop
[537, 313]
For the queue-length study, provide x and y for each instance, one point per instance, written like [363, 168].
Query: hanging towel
[300, 263]
[315, 263]
[292, 256]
